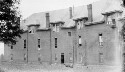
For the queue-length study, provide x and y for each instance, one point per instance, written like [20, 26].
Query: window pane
[55, 42]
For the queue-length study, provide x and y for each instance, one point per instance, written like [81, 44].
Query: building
[88, 35]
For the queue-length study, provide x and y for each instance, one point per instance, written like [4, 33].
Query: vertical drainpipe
[27, 46]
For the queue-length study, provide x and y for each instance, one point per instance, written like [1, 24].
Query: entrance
[62, 58]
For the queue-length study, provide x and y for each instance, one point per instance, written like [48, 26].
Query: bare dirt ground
[13, 67]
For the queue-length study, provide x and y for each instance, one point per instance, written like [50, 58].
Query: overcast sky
[29, 7]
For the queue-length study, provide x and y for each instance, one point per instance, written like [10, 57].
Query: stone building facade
[88, 35]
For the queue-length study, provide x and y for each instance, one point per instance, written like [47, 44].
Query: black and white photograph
[62, 35]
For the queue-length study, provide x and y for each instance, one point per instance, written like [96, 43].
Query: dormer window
[56, 28]
[31, 31]
[79, 25]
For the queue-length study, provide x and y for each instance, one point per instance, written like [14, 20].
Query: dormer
[55, 26]
[110, 17]
[80, 21]
[32, 28]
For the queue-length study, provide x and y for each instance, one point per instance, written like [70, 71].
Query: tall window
[100, 39]
[38, 43]
[80, 41]
[69, 33]
[55, 42]
[25, 43]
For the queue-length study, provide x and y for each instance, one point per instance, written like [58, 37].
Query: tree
[10, 21]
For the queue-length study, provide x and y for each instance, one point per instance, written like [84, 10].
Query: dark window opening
[11, 57]
[69, 33]
[100, 34]
[55, 42]
[25, 43]
[38, 43]
[11, 47]
[62, 58]
[113, 21]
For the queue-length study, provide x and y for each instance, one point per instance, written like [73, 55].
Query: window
[80, 41]
[31, 31]
[100, 57]
[11, 47]
[25, 43]
[100, 39]
[11, 56]
[55, 42]
[38, 43]
[56, 28]
[113, 21]
[24, 56]
[69, 33]
[79, 24]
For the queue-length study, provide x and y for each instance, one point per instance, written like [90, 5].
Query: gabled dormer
[111, 17]
[80, 22]
[32, 28]
[55, 26]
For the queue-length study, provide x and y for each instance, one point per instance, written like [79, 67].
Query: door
[62, 58]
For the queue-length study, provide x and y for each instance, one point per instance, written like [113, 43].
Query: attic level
[110, 17]
[33, 27]
[55, 26]
[80, 21]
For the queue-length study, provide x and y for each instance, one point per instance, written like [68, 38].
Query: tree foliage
[9, 21]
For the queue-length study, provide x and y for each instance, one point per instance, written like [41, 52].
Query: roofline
[68, 27]
[45, 29]
[110, 12]
[94, 23]
[56, 22]
[33, 25]
[80, 18]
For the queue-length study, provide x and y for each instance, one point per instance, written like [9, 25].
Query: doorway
[62, 58]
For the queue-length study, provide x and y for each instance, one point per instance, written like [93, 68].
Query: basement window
[24, 56]
[11, 56]
[100, 57]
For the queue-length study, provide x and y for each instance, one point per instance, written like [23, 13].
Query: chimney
[70, 12]
[90, 17]
[47, 20]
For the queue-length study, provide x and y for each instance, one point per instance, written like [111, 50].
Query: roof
[63, 15]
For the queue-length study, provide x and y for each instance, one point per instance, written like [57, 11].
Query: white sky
[29, 7]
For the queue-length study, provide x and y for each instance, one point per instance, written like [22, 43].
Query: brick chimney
[47, 20]
[70, 12]
[90, 16]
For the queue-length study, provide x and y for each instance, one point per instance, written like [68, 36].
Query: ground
[13, 67]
